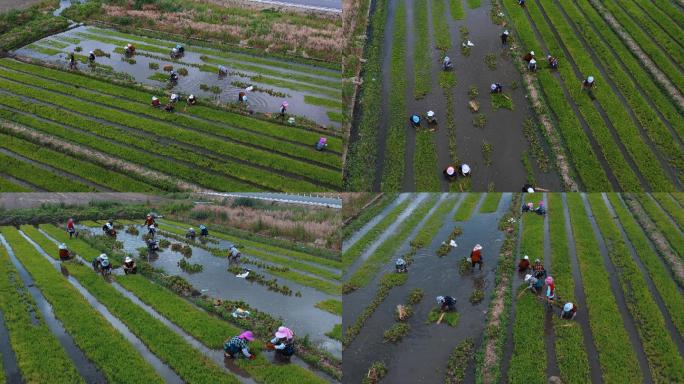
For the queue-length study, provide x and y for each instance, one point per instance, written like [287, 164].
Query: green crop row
[290, 133]
[84, 169]
[662, 222]
[177, 121]
[313, 100]
[44, 50]
[671, 10]
[528, 361]
[8, 186]
[490, 203]
[671, 207]
[472, 4]
[422, 83]
[94, 335]
[40, 356]
[353, 252]
[394, 166]
[441, 28]
[679, 196]
[331, 305]
[39, 177]
[615, 353]
[425, 168]
[649, 120]
[661, 18]
[190, 364]
[183, 135]
[585, 161]
[243, 242]
[665, 363]
[626, 129]
[627, 132]
[366, 215]
[435, 222]
[465, 210]
[456, 8]
[363, 152]
[646, 43]
[674, 302]
[366, 272]
[571, 355]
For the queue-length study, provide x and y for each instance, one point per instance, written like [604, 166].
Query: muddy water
[214, 281]
[421, 357]
[160, 367]
[373, 222]
[140, 71]
[9, 359]
[85, 367]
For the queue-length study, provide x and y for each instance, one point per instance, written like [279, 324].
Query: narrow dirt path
[582, 315]
[549, 333]
[627, 318]
[9, 358]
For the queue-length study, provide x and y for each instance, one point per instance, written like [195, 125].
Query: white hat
[492, 87]
[477, 247]
[528, 277]
[537, 261]
[532, 53]
[590, 79]
[192, 229]
[128, 259]
[62, 246]
[191, 97]
[92, 53]
[129, 45]
[154, 98]
[567, 307]
[450, 171]
[431, 113]
[440, 299]
[400, 261]
[526, 257]
[530, 190]
[173, 95]
[446, 58]
[506, 32]
[103, 256]
[465, 168]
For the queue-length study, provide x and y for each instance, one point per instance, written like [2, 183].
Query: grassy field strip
[272, 258]
[472, 4]
[95, 336]
[84, 169]
[421, 59]
[353, 252]
[671, 10]
[367, 215]
[436, 221]
[490, 203]
[666, 24]
[528, 361]
[626, 130]
[394, 165]
[8, 186]
[456, 8]
[39, 177]
[296, 134]
[662, 101]
[570, 352]
[646, 43]
[585, 161]
[135, 148]
[674, 210]
[387, 249]
[647, 117]
[40, 356]
[615, 352]
[191, 365]
[666, 286]
[178, 120]
[242, 242]
[213, 52]
[183, 135]
[425, 168]
[663, 223]
[466, 209]
[359, 176]
[665, 363]
[331, 305]
[321, 102]
[209, 330]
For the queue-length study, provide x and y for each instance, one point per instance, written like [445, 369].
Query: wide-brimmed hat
[62, 246]
[477, 247]
[530, 190]
[528, 277]
[450, 171]
[567, 307]
[128, 259]
[247, 335]
[465, 168]
[526, 257]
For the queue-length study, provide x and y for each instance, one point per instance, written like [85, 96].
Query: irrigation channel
[607, 252]
[274, 80]
[417, 35]
[217, 282]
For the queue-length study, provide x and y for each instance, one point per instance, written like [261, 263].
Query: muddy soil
[190, 84]
[422, 355]
[215, 281]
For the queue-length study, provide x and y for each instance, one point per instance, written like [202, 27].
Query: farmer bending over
[524, 264]
[553, 62]
[504, 38]
[495, 88]
[447, 64]
[129, 266]
[529, 56]
[550, 289]
[446, 303]
[450, 172]
[400, 265]
[283, 342]
[569, 311]
[204, 231]
[238, 344]
[588, 83]
[64, 253]
[534, 284]
[71, 229]
[191, 234]
[464, 170]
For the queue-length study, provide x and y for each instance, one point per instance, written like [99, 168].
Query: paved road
[312, 199]
[321, 5]
[35, 199]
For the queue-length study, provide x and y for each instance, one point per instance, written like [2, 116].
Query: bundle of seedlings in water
[204, 87]
[118, 226]
[376, 372]
[477, 296]
[132, 230]
[255, 277]
[449, 317]
[465, 267]
[490, 60]
[147, 236]
[458, 362]
[445, 247]
[183, 71]
[168, 68]
[396, 332]
[163, 243]
[186, 251]
[176, 247]
[465, 48]
[269, 91]
[473, 92]
[263, 265]
[189, 267]
[487, 152]
[415, 296]
[479, 120]
[153, 65]
[403, 312]
[99, 53]
[78, 49]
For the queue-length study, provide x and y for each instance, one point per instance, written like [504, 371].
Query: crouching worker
[204, 231]
[192, 100]
[569, 311]
[130, 267]
[234, 254]
[447, 64]
[108, 229]
[64, 253]
[476, 257]
[446, 303]
[101, 263]
[400, 265]
[71, 229]
[238, 344]
[152, 246]
[282, 343]
[534, 284]
[155, 102]
[321, 144]
[524, 264]
[450, 173]
[495, 88]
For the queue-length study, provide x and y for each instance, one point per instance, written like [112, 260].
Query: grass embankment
[331, 305]
[22, 26]
[662, 222]
[394, 165]
[615, 353]
[39, 354]
[665, 362]
[94, 335]
[490, 203]
[351, 254]
[571, 356]
[467, 207]
[366, 272]
[529, 359]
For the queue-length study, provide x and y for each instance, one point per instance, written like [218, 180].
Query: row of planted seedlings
[354, 224]
[37, 177]
[669, 204]
[205, 320]
[212, 137]
[662, 221]
[626, 131]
